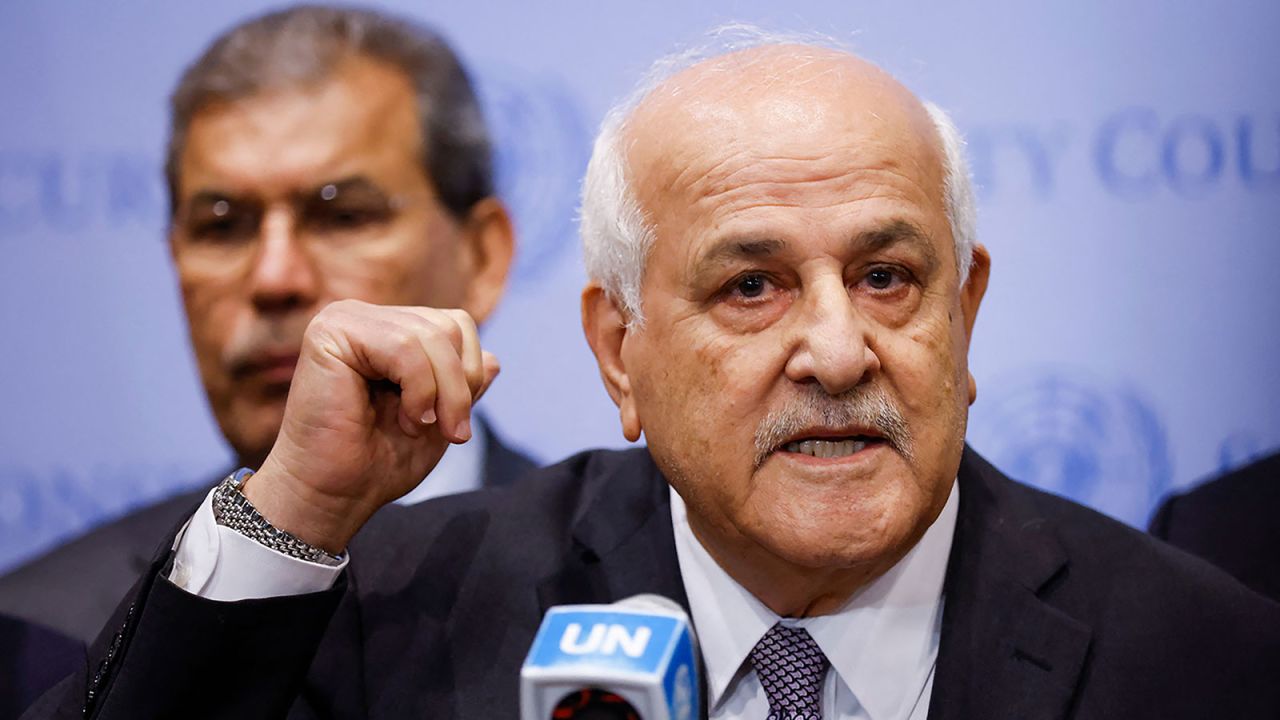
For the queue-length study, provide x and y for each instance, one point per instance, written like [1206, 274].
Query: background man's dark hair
[303, 44]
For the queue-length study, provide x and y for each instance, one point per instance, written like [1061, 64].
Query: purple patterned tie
[791, 669]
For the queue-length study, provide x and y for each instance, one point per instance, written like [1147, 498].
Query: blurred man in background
[1231, 522]
[315, 154]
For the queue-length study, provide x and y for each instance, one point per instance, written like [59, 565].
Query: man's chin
[252, 431]
[856, 544]
[836, 516]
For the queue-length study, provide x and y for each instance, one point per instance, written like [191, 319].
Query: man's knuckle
[463, 319]
[323, 323]
[403, 341]
[436, 332]
[453, 332]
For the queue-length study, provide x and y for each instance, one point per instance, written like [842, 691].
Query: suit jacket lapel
[624, 545]
[1005, 652]
[623, 541]
[502, 465]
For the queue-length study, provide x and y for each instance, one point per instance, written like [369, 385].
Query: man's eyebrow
[347, 184]
[738, 248]
[209, 197]
[360, 183]
[897, 232]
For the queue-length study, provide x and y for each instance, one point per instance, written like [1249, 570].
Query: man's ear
[975, 288]
[488, 246]
[605, 325]
[971, 298]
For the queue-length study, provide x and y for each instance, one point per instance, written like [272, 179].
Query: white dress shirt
[218, 563]
[882, 645]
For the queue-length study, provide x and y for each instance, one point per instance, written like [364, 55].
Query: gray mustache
[274, 334]
[866, 406]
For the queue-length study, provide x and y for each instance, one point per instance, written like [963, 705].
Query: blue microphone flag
[641, 651]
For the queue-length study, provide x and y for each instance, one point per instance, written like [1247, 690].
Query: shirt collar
[882, 643]
[461, 469]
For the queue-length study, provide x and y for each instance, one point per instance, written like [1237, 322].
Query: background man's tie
[791, 669]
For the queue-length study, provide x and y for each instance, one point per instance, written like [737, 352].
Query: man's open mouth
[831, 447]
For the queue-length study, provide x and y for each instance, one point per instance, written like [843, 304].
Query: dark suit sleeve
[170, 654]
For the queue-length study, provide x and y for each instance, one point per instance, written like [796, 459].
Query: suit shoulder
[75, 586]
[1248, 494]
[1133, 583]
[548, 493]
[519, 523]
[504, 462]
[1230, 521]
[558, 493]
[136, 532]
[1163, 628]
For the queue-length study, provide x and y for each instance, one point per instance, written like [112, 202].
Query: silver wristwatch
[232, 509]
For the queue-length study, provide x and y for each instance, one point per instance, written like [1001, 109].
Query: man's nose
[283, 276]
[831, 345]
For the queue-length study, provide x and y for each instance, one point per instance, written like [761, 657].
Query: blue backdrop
[1128, 156]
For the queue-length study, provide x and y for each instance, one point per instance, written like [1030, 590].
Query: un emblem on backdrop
[541, 146]
[1095, 442]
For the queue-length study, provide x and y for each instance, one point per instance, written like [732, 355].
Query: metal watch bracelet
[233, 510]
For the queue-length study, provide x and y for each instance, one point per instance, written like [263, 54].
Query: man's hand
[377, 396]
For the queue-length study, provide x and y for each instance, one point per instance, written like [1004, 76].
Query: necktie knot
[791, 668]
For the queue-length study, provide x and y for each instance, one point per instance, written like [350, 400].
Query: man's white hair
[616, 235]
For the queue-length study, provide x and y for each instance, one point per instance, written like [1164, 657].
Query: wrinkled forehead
[788, 101]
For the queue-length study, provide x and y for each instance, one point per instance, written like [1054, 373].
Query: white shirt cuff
[218, 563]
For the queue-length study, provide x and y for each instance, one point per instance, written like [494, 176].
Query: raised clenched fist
[378, 395]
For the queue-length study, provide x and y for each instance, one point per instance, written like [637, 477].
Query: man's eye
[223, 229]
[345, 218]
[751, 286]
[339, 218]
[882, 278]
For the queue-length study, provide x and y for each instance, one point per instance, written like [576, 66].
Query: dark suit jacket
[1052, 611]
[75, 587]
[1232, 522]
[32, 659]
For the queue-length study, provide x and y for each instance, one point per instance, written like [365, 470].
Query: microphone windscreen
[633, 660]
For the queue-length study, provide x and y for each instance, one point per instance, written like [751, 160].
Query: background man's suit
[75, 587]
[1232, 523]
[32, 659]
[1052, 611]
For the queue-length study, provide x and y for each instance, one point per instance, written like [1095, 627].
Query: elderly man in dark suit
[315, 154]
[784, 282]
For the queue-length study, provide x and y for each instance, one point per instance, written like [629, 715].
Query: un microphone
[633, 660]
